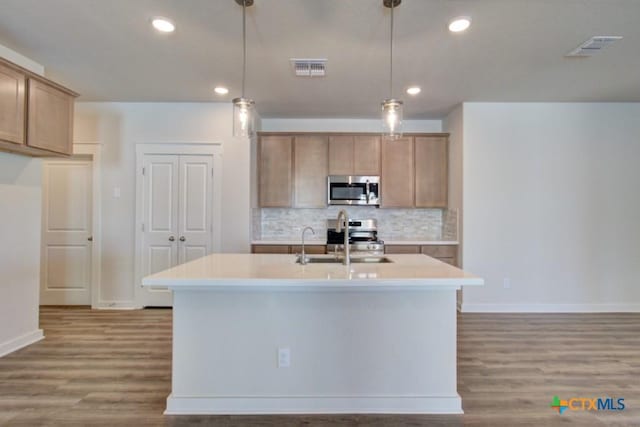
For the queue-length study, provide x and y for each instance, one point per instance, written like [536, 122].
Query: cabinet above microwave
[353, 190]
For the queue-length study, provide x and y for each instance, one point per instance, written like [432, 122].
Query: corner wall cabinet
[36, 114]
[293, 167]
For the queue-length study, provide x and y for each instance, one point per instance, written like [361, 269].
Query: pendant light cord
[244, 44]
[391, 55]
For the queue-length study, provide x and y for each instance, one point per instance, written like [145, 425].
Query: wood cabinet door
[12, 112]
[401, 249]
[50, 118]
[275, 171]
[431, 171]
[270, 249]
[366, 155]
[311, 167]
[397, 177]
[341, 151]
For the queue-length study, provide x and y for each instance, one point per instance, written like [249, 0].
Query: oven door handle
[368, 190]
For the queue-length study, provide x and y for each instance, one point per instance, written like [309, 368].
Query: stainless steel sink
[354, 260]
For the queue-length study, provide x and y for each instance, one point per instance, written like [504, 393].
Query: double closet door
[177, 224]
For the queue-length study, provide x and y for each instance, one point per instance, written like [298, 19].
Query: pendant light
[243, 108]
[391, 108]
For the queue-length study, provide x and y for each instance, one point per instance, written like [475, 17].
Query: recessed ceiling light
[459, 24]
[413, 90]
[163, 25]
[221, 90]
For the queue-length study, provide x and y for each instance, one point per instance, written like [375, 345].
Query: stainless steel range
[363, 237]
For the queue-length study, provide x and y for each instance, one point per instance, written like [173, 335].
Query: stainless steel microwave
[353, 190]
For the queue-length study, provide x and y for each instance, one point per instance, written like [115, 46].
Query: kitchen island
[261, 334]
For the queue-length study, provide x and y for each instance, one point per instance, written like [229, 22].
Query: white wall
[453, 124]
[20, 207]
[119, 127]
[344, 125]
[551, 201]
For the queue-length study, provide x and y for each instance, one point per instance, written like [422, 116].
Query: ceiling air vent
[593, 45]
[309, 67]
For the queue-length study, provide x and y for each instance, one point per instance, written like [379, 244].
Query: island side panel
[358, 352]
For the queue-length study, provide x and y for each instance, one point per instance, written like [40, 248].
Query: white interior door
[160, 244]
[195, 217]
[65, 274]
[177, 215]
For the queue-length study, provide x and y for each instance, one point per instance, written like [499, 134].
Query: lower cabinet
[444, 253]
[288, 249]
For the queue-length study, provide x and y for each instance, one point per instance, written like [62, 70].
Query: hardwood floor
[114, 368]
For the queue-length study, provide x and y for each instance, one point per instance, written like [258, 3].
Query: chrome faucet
[340, 227]
[303, 256]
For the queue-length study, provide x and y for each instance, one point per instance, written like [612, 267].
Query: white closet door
[160, 243]
[195, 217]
[66, 238]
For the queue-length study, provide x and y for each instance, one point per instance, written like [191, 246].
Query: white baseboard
[239, 405]
[116, 305]
[21, 341]
[550, 308]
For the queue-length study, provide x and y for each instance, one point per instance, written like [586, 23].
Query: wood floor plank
[106, 368]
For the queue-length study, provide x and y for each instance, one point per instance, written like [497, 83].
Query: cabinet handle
[90, 238]
[171, 238]
[182, 239]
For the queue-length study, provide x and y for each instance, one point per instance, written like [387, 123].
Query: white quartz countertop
[279, 271]
[386, 242]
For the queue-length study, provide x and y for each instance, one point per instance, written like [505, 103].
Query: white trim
[213, 149]
[95, 149]
[21, 341]
[550, 308]
[313, 405]
[116, 305]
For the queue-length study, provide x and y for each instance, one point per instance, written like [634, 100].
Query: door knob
[171, 238]
[182, 239]
[90, 238]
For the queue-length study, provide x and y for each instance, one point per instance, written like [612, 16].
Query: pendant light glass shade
[391, 108]
[243, 117]
[392, 118]
[243, 108]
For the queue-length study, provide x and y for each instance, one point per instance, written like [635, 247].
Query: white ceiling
[107, 51]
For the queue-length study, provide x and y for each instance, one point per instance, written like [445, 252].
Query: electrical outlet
[284, 357]
[506, 283]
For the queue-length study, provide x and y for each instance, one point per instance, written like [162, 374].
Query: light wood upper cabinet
[397, 178]
[275, 171]
[311, 166]
[36, 114]
[431, 165]
[354, 155]
[366, 155]
[50, 118]
[12, 112]
[293, 168]
[341, 155]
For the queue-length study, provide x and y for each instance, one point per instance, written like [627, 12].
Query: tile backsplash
[393, 224]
